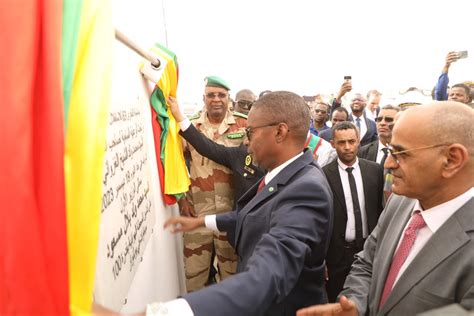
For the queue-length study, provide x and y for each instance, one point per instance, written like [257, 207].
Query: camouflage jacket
[211, 183]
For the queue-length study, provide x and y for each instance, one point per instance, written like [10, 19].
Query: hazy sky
[308, 46]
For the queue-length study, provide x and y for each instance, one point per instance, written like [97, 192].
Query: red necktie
[401, 254]
[261, 185]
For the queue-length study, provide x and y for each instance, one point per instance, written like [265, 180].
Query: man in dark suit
[367, 129]
[365, 125]
[378, 150]
[237, 159]
[420, 255]
[357, 186]
[282, 224]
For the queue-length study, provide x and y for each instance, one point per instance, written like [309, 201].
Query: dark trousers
[338, 272]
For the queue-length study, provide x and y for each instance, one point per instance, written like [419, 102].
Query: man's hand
[186, 208]
[184, 224]
[345, 307]
[345, 87]
[450, 58]
[175, 110]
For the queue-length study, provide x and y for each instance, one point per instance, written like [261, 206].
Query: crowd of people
[303, 206]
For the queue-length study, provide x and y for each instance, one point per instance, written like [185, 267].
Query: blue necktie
[358, 123]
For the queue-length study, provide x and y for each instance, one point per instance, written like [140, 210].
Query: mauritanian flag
[33, 260]
[55, 91]
[174, 177]
[88, 112]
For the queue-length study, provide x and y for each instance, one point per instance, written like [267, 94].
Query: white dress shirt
[184, 124]
[363, 125]
[350, 226]
[180, 307]
[380, 152]
[434, 218]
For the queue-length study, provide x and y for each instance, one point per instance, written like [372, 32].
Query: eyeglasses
[388, 119]
[249, 130]
[220, 95]
[395, 154]
[244, 104]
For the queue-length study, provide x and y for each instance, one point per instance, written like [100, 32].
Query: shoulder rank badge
[248, 160]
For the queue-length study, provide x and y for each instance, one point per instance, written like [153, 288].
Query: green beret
[214, 81]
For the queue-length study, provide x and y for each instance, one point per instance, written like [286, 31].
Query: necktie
[401, 254]
[356, 206]
[358, 123]
[385, 154]
[261, 185]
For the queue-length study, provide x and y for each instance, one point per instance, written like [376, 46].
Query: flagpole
[155, 62]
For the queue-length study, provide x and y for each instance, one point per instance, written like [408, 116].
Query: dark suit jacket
[371, 134]
[369, 151]
[372, 179]
[442, 273]
[232, 157]
[282, 237]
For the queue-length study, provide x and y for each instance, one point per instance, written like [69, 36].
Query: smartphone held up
[462, 54]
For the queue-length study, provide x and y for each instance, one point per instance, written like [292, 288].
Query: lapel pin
[270, 189]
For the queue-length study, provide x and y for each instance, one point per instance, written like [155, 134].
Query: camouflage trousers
[198, 249]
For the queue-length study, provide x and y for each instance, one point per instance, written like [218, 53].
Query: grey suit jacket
[441, 274]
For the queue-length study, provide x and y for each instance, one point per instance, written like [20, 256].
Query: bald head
[288, 107]
[446, 122]
[245, 94]
[433, 146]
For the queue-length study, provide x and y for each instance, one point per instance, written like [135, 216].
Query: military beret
[214, 81]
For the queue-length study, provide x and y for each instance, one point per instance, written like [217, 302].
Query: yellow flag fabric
[85, 147]
[176, 177]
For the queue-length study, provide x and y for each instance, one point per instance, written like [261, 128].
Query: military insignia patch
[248, 160]
[235, 135]
[194, 116]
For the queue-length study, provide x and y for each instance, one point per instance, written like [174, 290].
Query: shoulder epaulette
[238, 114]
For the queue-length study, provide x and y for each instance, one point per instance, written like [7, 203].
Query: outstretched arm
[204, 146]
[441, 89]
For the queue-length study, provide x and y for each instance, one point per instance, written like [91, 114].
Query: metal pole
[155, 62]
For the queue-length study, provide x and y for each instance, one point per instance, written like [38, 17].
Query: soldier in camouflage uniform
[211, 189]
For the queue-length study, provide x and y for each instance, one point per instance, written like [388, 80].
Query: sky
[309, 46]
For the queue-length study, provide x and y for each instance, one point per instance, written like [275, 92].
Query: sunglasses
[387, 119]
[220, 95]
[244, 104]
